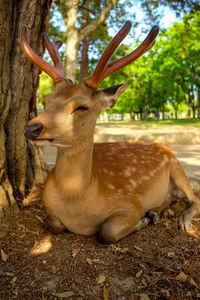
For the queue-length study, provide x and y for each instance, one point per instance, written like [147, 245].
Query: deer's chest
[80, 215]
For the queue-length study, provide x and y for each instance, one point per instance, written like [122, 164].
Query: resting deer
[103, 188]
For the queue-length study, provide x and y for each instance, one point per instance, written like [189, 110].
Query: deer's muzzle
[33, 131]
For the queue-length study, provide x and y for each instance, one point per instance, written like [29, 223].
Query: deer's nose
[33, 131]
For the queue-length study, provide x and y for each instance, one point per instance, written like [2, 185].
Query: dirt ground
[159, 262]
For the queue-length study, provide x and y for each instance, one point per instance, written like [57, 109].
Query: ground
[159, 262]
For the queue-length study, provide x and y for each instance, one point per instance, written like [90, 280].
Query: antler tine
[114, 66]
[146, 45]
[53, 72]
[53, 51]
[93, 80]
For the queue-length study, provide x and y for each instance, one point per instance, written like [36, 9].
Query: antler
[57, 72]
[103, 69]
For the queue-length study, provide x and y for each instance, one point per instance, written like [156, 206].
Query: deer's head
[71, 111]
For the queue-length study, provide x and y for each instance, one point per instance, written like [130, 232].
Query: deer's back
[128, 170]
[128, 159]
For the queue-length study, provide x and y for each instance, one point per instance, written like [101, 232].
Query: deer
[103, 189]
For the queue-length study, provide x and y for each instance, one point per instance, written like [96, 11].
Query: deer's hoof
[154, 216]
[184, 224]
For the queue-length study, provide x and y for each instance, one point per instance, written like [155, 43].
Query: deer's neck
[73, 169]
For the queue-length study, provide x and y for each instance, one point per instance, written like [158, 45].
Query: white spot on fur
[165, 158]
[111, 186]
[133, 183]
[129, 171]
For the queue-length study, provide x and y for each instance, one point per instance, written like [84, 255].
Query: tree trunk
[198, 102]
[132, 115]
[193, 111]
[76, 35]
[21, 165]
[84, 59]
[146, 114]
[72, 41]
[176, 113]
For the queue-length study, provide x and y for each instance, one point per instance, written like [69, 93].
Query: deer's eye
[81, 108]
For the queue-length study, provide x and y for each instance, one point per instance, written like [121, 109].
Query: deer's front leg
[54, 225]
[118, 226]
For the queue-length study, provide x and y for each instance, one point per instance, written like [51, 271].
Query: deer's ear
[110, 95]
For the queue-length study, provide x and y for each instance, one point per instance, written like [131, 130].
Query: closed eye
[81, 108]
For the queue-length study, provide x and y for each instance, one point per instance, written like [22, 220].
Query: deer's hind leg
[54, 225]
[182, 182]
[120, 225]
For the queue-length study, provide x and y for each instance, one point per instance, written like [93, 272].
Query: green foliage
[168, 74]
[45, 88]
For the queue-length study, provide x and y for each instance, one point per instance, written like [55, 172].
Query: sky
[167, 20]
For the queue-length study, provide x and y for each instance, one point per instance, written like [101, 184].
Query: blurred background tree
[175, 54]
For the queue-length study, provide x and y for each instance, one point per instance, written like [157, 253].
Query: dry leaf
[144, 297]
[9, 274]
[101, 279]
[181, 276]
[143, 266]
[171, 254]
[63, 295]
[138, 274]
[74, 252]
[89, 261]
[40, 219]
[4, 256]
[144, 282]
[166, 293]
[148, 278]
[54, 269]
[138, 248]
[171, 212]
[165, 213]
[81, 294]
[13, 280]
[98, 261]
[118, 249]
[105, 294]
[186, 262]
[189, 294]
[192, 282]
[44, 262]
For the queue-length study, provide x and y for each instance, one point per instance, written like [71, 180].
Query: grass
[156, 123]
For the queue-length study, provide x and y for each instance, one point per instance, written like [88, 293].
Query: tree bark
[21, 165]
[84, 59]
[72, 42]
